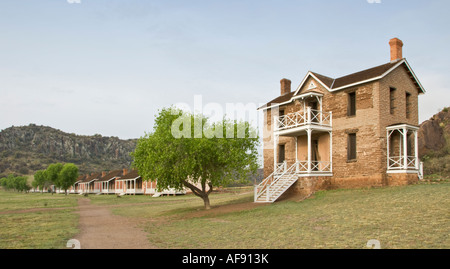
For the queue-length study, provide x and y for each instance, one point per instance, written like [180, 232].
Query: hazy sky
[106, 66]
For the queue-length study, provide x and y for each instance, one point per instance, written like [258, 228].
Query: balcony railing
[304, 117]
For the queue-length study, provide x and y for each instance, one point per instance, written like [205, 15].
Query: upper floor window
[351, 107]
[408, 105]
[392, 100]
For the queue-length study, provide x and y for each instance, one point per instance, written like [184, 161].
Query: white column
[388, 139]
[309, 147]
[416, 149]
[405, 148]
[331, 151]
[275, 143]
[308, 115]
[296, 154]
[319, 99]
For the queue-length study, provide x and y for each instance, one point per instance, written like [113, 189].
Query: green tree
[68, 176]
[40, 180]
[186, 150]
[52, 174]
[21, 184]
[18, 183]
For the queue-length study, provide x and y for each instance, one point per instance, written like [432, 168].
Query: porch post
[309, 146]
[319, 99]
[275, 143]
[416, 150]
[296, 154]
[331, 151]
[308, 116]
[405, 148]
[388, 139]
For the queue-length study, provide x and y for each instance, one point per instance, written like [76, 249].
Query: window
[281, 155]
[351, 108]
[408, 105]
[351, 147]
[392, 100]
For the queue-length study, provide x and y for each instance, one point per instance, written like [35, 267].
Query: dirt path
[100, 229]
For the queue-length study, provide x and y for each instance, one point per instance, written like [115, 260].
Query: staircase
[275, 185]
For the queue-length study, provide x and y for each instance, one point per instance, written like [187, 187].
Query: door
[315, 155]
[314, 112]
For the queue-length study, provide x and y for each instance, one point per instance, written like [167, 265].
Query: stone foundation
[305, 186]
[402, 179]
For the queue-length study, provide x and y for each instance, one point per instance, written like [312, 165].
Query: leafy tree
[52, 174]
[186, 150]
[68, 176]
[12, 182]
[40, 180]
[21, 184]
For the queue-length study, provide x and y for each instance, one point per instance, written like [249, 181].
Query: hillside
[434, 144]
[26, 149]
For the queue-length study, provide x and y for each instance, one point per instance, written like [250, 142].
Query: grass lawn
[40, 228]
[416, 216]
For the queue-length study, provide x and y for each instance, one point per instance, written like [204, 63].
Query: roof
[335, 84]
[92, 177]
[111, 175]
[362, 75]
[131, 175]
[279, 100]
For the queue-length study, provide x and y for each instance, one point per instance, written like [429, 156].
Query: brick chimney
[396, 49]
[285, 86]
[103, 173]
[125, 171]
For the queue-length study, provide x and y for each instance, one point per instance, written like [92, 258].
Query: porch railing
[304, 117]
[316, 166]
[398, 162]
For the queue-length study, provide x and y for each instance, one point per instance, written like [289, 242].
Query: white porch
[402, 149]
[129, 186]
[108, 187]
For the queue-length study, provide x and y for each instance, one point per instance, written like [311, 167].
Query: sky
[107, 66]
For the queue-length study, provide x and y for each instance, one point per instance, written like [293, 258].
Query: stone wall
[372, 117]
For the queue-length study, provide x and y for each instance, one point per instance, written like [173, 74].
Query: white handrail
[299, 118]
[266, 180]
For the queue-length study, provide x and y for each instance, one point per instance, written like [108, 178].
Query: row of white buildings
[118, 182]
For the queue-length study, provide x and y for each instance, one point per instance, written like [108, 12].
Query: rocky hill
[26, 149]
[434, 144]
[433, 133]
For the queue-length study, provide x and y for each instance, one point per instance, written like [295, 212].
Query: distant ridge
[26, 149]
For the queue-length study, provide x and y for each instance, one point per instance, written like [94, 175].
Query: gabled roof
[92, 177]
[131, 175]
[368, 75]
[286, 98]
[335, 84]
[111, 175]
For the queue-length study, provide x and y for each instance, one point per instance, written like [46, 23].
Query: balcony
[303, 119]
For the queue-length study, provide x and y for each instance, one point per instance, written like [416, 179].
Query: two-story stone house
[354, 131]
